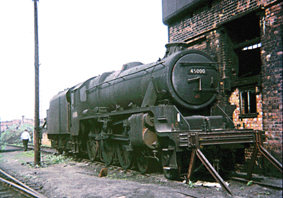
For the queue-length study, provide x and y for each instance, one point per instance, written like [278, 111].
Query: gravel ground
[80, 179]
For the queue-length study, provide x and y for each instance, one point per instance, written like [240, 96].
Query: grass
[1, 159]
[25, 154]
[46, 159]
[13, 133]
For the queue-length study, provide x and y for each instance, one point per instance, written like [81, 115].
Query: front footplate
[200, 139]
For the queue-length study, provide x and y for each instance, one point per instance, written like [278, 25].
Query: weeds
[55, 159]
[48, 159]
[249, 183]
[191, 184]
[2, 147]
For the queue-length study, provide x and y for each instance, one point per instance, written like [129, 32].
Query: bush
[13, 134]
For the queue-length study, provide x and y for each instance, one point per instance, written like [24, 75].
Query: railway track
[11, 187]
[43, 149]
[101, 164]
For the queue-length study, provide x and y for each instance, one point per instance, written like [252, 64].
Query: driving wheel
[92, 149]
[142, 161]
[107, 151]
[125, 156]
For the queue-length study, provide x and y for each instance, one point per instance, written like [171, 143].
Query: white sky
[77, 40]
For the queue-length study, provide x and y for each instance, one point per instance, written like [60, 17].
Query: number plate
[197, 71]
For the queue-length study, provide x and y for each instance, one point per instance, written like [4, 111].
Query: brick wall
[202, 28]
[272, 55]
[254, 123]
[210, 17]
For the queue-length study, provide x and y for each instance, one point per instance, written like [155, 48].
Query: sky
[77, 40]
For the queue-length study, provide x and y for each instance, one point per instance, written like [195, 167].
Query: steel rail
[256, 182]
[19, 185]
[30, 147]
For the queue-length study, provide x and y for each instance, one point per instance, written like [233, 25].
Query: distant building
[26, 121]
[245, 38]
[6, 124]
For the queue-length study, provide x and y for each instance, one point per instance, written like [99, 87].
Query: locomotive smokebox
[193, 78]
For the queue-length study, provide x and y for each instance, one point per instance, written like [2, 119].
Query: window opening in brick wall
[249, 61]
[244, 33]
[248, 102]
[244, 42]
[252, 47]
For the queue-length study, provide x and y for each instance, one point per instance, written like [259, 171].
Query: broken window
[247, 102]
[244, 33]
[249, 60]
[244, 43]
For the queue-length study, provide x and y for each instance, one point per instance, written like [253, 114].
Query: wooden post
[36, 101]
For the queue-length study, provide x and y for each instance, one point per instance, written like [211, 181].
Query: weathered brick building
[4, 125]
[245, 38]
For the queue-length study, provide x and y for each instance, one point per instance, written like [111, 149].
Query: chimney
[23, 120]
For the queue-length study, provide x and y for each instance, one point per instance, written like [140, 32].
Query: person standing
[25, 137]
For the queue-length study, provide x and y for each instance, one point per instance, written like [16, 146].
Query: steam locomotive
[165, 112]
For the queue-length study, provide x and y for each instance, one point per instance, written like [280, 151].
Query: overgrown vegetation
[13, 134]
[45, 161]
[56, 159]
[2, 146]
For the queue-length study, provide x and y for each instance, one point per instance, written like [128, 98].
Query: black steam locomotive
[163, 112]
